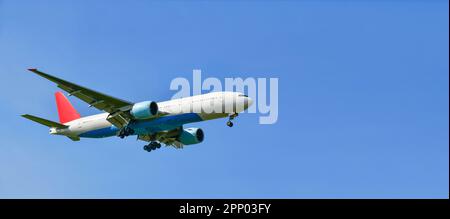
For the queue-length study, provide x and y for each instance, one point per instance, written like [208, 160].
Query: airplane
[153, 122]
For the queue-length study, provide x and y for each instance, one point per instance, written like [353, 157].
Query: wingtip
[32, 69]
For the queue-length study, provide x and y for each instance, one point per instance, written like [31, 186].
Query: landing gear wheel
[232, 116]
[152, 146]
[128, 131]
[125, 132]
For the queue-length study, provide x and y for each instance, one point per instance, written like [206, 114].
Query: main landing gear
[152, 146]
[126, 131]
[229, 122]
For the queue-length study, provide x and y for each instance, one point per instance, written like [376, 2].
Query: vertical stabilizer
[66, 111]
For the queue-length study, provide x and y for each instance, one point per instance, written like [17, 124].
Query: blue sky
[363, 97]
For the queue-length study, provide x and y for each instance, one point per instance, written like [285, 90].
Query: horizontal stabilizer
[45, 122]
[74, 138]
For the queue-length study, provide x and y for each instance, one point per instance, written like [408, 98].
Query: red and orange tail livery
[66, 111]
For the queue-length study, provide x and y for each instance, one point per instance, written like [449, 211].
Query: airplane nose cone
[248, 102]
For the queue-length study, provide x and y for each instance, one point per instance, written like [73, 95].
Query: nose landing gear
[229, 122]
[152, 146]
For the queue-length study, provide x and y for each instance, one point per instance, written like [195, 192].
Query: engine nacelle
[191, 136]
[144, 110]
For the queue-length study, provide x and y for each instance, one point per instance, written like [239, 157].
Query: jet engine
[144, 110]
[191, 136]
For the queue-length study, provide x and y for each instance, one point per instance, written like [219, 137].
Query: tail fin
[66, 111]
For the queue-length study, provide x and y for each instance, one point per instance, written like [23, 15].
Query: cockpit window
[243, 95]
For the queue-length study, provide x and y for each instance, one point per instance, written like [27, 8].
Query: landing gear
[126, 131]
[152, 146]
[229, 122]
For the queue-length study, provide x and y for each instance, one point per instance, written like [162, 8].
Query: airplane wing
[169, 138]
[168, 141]
[118, 109]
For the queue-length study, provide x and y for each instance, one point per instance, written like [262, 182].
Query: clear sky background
[363, 97]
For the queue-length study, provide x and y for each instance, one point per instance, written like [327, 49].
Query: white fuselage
[205, 107]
